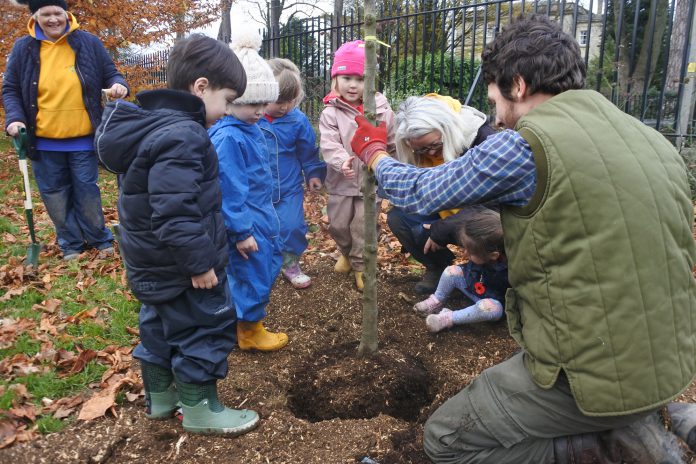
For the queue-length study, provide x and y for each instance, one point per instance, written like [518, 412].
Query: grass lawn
[61, 324]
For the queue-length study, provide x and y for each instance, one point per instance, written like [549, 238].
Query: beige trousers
[347, 227]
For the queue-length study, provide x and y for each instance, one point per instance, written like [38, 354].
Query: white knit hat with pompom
[262, 86]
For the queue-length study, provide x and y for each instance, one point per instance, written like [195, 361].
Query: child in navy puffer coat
[294, 162]
[173, 238]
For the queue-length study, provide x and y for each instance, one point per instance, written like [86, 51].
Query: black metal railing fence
[435, 46]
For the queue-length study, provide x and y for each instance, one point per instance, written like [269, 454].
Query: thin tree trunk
[225, 30]
[647, 58]
[631, 80]
[677, 43]
[368, 341]
[688, 92]
[275, 27]
[336, 24]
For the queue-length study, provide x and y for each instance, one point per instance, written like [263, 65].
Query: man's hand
[206, 280]
[314, 184]
[248, 245]
[13, 129]
[117, 91]
[368, 140]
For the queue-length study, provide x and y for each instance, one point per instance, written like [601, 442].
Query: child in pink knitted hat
[344, 171]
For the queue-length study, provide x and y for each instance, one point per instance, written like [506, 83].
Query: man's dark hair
[200, 56]
[482, 233]
[540, 52]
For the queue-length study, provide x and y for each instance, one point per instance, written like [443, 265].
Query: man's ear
[519, 88]
[199, 86]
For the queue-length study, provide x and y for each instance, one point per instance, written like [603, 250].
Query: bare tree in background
[270, 11]
[677, 43]
[225, 30]
[336, 25]
[633, 78]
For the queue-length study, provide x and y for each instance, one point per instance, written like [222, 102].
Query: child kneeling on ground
[173, 238]
[483, 279]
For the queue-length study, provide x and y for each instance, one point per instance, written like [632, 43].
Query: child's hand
[247, 245]
[347, 168]
[206, 280]
[314, 184]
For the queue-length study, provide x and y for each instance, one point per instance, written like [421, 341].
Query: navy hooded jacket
[169, 201]
[96, 71]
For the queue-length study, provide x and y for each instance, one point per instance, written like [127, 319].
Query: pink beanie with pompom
[349, 59]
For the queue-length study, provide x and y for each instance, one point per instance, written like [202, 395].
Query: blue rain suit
[247, 208]
[292, 144]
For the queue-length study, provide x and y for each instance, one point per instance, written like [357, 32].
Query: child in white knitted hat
[247, 205]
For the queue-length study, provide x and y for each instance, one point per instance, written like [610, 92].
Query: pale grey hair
[418, 116]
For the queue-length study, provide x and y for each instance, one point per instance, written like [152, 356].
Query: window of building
[583, 37]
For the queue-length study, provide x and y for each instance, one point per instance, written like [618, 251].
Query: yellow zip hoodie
[61, 109]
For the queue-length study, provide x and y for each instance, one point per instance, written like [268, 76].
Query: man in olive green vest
[597, 218]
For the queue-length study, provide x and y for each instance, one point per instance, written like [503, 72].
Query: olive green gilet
[601, 258]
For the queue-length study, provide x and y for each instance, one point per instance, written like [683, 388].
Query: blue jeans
[67, 182]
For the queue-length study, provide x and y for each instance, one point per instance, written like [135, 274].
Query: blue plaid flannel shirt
[500, 170]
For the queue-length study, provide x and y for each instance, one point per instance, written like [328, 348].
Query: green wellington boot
[161, 399]
[204, 414]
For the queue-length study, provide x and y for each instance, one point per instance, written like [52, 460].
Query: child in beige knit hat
[247, 205]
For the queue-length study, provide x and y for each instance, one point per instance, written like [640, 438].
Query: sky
[242, 10]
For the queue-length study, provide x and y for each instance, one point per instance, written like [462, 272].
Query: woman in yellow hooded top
[431, 130]
[52, 87]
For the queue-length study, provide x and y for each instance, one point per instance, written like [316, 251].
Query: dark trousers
[503, 417]
[408, 228]
[192, 334]
[67, 182]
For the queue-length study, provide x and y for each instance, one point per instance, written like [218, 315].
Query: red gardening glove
[368, 139]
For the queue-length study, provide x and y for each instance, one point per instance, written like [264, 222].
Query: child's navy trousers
[192, 334]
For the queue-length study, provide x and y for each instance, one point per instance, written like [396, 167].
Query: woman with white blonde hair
[431, 130]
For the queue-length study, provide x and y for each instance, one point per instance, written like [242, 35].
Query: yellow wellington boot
[359, 281]
[342, 265]
[253, 336]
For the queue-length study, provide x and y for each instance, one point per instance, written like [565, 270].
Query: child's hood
[125, 125]
[231, 121]
[332, 100]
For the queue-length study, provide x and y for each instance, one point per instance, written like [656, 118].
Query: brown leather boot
[585, 448]
[645, 441]
[428, 283]
[684, 422]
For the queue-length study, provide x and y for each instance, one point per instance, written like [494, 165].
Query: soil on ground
[294, 389]
[380, 406]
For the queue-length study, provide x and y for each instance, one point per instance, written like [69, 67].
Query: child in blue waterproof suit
[295, 161]
[245, 179]
[173, 238]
